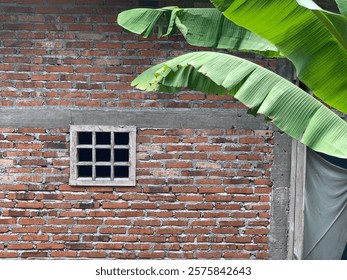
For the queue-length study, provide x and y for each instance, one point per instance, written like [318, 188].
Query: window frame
[76, 181]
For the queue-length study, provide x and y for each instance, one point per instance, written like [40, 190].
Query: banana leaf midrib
[313, 39]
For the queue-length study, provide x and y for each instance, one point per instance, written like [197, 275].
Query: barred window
[102, 155]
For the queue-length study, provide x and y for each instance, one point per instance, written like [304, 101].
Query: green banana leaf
[342, 4]
[203, 27]
[289, 107]
[313, 39]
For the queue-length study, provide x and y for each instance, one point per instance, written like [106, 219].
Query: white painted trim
[74, 180]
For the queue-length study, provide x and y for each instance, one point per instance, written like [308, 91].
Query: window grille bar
[94, 156]
[112, 155]
[121, 146]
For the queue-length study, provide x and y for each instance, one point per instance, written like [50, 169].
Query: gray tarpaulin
[325, 226]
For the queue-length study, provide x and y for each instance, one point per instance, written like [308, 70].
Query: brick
[210, 148]
[26, 229]
[69, 237]
[76, 213]
[226, 230]
[208, 181]
[180, 181]
[209, 255]
[208, 165]
[20, 246]
[31, 221]
[259, 231]
[84, 229]
[151, 255]
[142, 247]
[166, 139]
[243, 215]
[260, 181]
[239, 190]
[223, 157]
[114, 205]
[9, 237]
[30, 205]
[109, 246]
[7, 221]
[30, 178]
[216, 215]
[79, 246]
[63, 254]
[8, 254]
[134, 196]
[200, 206]
[245, 198]
[185, 189]
[194, 173]
[179, 164]
[225, 198]
[179, 214]
[211, 189]
[190, 197]
[122, 255]
[249, 140]
[204, 223]
[17, 76]
[143, 205]
[250, 157]
[124, 214]
[238, 239]
[35, 162]
[34, 254]
[6, 162]
[171, 148]
[50, 246]
[232, 255]
[19, 137]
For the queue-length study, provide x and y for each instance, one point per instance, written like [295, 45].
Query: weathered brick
[195, 187]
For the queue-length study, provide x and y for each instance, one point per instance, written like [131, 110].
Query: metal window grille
[102, 155]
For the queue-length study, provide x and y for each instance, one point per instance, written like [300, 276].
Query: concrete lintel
[161, 118]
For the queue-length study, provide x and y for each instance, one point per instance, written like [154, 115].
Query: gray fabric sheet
[325, 226]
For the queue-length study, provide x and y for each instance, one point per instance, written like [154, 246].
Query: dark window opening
[103, 138]
[85, 155]
[85, 138]
[103, 154]
[121, 171]
[85, 171]
[121, 155]
[103, 171]
[121, 138]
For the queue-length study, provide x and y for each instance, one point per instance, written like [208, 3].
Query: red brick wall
[200, 194]
[61, 53]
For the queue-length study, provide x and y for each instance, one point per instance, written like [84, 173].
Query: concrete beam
[161, 118]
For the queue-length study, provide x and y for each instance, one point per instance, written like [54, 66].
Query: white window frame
[76, 181]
